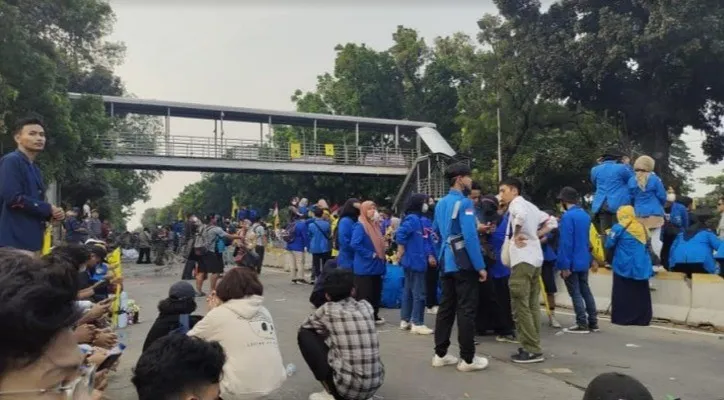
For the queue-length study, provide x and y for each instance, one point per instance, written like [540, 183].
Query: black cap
[459, 169]
[569, 195]
[613, 152]
[181, 290]
[98, 251]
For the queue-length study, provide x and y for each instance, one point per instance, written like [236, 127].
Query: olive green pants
[525, 298]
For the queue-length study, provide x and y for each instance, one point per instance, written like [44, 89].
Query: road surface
[669, 361]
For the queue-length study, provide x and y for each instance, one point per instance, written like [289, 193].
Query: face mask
[376, 216]
[466, 191]
[294, 203]
[425, 208]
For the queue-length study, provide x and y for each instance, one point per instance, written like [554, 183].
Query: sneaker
[380, 321]
[404, 325]
[295, 281]
[553, 322]
[421, 330]
[594, 328]
[524, 357]
[321, 396]
[478, 364]
[506, 339]
[200, 294]
[449, 359]
[432, 310]
[577, 329]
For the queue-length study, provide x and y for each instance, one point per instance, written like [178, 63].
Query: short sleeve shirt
[211, 235]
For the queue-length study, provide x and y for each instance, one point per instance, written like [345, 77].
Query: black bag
[457, 243]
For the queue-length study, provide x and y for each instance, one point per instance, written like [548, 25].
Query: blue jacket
[23, 211]
[630, 257]
[301, 237]
[679, 215]
[649, 202]
[466, 224]
[365, 262]
[573, 242]
[319, 233]
[411, 234]
[611, 182]
[429, 236]
[498, 270]
[549, 254]
[699, 248]
[345, 258]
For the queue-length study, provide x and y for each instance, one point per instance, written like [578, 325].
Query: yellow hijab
[627, 219]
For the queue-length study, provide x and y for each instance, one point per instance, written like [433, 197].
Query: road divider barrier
[707, 301]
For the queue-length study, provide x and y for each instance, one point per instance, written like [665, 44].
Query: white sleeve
[517, 214]
[549, 221]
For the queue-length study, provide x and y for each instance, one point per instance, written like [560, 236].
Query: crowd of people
[483, 256]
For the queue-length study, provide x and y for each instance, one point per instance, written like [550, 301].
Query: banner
[47, 240]
[234, 209]
[329, 150]
[295, 150]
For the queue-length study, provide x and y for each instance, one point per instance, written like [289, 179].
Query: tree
[653, 67]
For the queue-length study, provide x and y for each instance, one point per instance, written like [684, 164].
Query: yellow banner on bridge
[295, 150]
[329, 150]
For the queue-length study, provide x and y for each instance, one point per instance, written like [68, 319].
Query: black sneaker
[506, 339]
[524, 357]
[577, 329]
[594, 328]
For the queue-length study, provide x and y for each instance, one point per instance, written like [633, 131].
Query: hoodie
[245, 329]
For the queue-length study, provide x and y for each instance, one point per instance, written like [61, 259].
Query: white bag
[505, 251]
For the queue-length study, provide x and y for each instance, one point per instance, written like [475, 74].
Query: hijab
[643, 167]
[627, 219]
[372, 228]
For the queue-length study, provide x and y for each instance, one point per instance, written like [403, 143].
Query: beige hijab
[372, 228]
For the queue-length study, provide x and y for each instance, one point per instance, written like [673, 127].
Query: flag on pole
[180, 214]
[295, 150]
[329, 150]
[47, 240]
[234, 208]
[276, 216]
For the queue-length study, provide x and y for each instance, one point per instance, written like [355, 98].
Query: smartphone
[113, 356]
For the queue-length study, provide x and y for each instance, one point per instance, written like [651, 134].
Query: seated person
[345, 372]
[181, 301]
[693, 250]
[95, 277]
[179, 367]
[318, 298]
[615, 386]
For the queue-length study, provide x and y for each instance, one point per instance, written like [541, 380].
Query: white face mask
[425, 208]
[376, 216]
[670, 197]
[294, 203]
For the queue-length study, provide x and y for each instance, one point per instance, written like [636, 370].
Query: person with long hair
[369, 257]
[649, 196]
[343, 234]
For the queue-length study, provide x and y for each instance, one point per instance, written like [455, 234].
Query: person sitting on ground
[340, 345]
[179, 367]
[615, 386]
[174, 313]
[693, 250]
[239, 321]
[39, 355]
[317, 298]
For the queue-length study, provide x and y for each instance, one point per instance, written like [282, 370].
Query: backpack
[290, 233]
[201, 241]
[184, 325]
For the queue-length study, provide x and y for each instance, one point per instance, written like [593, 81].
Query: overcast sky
[215, 52]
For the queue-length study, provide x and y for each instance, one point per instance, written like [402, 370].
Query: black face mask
[467, 191]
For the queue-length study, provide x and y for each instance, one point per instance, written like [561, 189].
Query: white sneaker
[421, 330]
[432, 310]
[321, 396]
[478, 364]
[380, 321]
[404, 325]
[449, 359]
[553, 322]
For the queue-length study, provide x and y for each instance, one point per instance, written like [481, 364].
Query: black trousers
[493, 312]
[690, 268]
[144, 255]
[318, 261]
[260, 252]
[432, 278]
[315, 351]
[459, 299]
[369, 287]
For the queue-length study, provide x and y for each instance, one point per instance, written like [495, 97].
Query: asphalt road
[669, 361]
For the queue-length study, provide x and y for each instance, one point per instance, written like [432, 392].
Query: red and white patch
[470, 211]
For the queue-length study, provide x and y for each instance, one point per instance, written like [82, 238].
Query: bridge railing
[239, 149]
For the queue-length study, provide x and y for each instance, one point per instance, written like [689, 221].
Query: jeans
[525, 296]
[583, 303]
[413, 298]
[459, 298]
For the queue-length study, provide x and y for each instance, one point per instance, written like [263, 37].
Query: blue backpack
[184, 325]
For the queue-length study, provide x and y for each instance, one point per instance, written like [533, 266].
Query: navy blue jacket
[444, 227]
[574, 252]
[23, 210]
[365, 260]
[411, 235]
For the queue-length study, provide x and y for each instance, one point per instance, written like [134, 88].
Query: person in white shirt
[526, 259]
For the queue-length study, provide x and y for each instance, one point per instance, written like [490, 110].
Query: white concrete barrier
[671, 297]
[278, 258]
[707, 300]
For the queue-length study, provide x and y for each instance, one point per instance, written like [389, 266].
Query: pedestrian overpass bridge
[217, 153]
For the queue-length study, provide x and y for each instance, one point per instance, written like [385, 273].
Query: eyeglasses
[79, 389]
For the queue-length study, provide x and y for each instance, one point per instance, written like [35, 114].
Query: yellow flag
[114, 265]
[180, 215]
[47, 240]
[234, 208]
[596, 245]
[295, 150]
[329, 150]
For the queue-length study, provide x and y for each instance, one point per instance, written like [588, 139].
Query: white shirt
[526, 215]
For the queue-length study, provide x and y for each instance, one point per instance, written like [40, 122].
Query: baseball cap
[181, 290]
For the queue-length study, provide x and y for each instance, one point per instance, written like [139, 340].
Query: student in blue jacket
[296, 249]
[347, 220]
[632, 269]
[23, 209]
[460, 283]
[320, 233]
[610, 181]
[649, 196]
[432, 275]
[369, 257]
[574, 260]
[414, 258]
[693, 250]
[677, 220]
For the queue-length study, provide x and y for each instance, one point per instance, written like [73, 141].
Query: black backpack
[290, 233]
